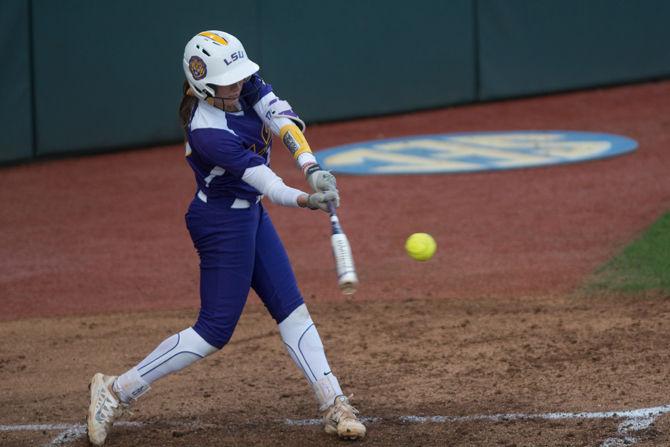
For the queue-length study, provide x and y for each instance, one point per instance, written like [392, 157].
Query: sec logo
[472, 152]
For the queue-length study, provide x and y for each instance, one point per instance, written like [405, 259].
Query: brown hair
[188, 102]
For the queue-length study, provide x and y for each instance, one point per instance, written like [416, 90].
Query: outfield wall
[16, 113]
[88, 75]
[531, 47]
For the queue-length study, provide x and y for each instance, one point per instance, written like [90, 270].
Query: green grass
[644, 265]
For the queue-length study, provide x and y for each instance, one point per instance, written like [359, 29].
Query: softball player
[229, 115]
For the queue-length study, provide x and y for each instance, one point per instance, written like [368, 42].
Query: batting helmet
[214, 58]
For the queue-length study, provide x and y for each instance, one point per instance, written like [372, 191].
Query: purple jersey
[221, 145]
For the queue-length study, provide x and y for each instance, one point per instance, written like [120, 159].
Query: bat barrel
[347, 279]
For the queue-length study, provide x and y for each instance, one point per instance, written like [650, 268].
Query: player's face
[231, 95]
[231, 92]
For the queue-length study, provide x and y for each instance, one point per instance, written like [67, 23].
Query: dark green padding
[530, 47]
[16, 110]
[337, 60]
[109, 74]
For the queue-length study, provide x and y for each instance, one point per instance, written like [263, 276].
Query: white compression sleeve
[304, 345]
[268, 183]
[174, 353]
[306, 158]
[276, 113]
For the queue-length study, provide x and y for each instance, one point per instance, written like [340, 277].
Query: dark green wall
[107, 74]
[16, 128]
[337, 60]
[530, 47]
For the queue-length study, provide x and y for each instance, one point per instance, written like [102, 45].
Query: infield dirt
[96, 269]
[451, 357]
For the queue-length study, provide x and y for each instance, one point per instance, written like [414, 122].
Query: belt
[236, 204]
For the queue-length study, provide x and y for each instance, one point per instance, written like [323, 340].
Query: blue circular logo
[472, 152]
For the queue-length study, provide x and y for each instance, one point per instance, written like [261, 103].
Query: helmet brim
[243, 69]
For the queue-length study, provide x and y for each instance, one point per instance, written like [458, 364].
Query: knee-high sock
[174, 353]
[304, 345]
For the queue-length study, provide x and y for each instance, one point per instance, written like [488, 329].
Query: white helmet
[215, 58]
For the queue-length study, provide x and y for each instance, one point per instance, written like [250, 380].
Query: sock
[305, 348]
[129, 386]
[173, 354]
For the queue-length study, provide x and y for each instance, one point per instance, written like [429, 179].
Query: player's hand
[319, 200]
[321, 181]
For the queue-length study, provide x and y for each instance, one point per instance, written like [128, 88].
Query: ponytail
[188, 102]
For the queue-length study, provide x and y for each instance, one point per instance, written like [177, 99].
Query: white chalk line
[633, 421]
[75, 432]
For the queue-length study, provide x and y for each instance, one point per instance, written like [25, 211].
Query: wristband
[311, 169]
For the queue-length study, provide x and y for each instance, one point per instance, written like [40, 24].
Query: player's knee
[216, 331]
[298, 315]
[294, 309]
[294, 327]
[191, 341]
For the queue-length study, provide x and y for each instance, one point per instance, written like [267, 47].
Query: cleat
[105, 407]
[341, 419]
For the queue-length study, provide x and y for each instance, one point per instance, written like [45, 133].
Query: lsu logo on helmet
[197, 67]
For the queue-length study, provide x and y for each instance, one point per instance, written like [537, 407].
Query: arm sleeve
[268, 183]
[285, 123]
[225, 149]
[276, 113]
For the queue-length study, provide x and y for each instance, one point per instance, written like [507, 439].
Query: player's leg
[225, 241]
[110, 395]
[274, 282]
[305, 347]
[223, 295]
[226, 252]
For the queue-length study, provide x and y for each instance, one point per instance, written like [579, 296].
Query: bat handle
[331, 207]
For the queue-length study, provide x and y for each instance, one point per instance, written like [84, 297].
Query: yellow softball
[420, 246]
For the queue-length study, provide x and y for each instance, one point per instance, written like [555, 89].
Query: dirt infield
[455, 357]
[96, 268]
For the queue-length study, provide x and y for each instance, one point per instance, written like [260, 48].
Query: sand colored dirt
[96, 268]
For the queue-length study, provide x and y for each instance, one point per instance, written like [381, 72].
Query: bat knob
[348, 283]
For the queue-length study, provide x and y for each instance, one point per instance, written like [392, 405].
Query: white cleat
[104, 409]
[341, 419]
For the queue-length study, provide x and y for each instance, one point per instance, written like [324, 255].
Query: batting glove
[320, 180]
[319, 200]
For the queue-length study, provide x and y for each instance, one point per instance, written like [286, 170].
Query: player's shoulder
[209, 117]
[254, 89]
[257, 82]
